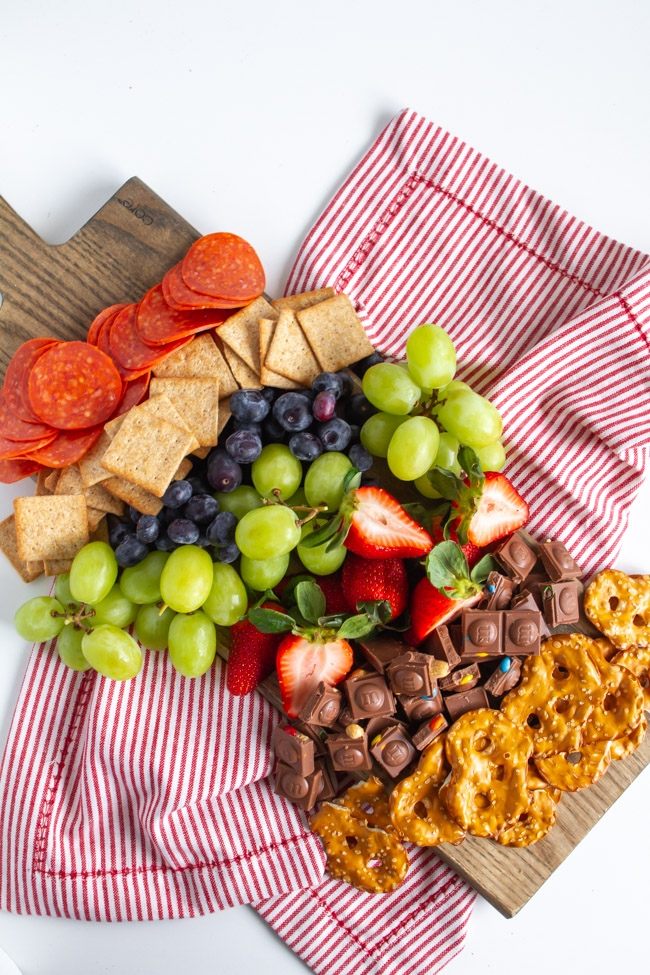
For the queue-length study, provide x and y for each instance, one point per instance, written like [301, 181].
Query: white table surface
[246, 117]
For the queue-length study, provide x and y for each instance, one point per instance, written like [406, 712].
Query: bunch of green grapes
[425, 415]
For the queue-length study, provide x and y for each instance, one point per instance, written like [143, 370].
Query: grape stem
[313, 511]
[76, 617]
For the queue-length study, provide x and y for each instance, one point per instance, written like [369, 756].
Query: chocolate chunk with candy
[499, 591]
[461, 680]
[528, 600]
[317, 735]
[294, 749]
[504, 677]
[482, 634]
[413, 673]
[369, 697]
[419, 708]
[456, 635]
[393, 749]
[376, 725]
[429, 730]
[300, 789]
[379, 651]
[349, 754]
[464, 701]
[345, 717]
[440, 645]
[521, 632]
[323, 707]
[558, 562]
[517, 558]
[561, 604]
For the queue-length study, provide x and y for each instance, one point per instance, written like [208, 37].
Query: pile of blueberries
[329, 416]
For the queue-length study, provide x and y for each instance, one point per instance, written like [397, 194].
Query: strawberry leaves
[464, 495]
[448, 571]
[307, 616]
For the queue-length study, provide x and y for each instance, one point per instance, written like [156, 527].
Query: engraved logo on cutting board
[138, 211]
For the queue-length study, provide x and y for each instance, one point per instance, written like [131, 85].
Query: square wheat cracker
[143, 501]
[290, 353]
[147, 451]
[246, 378]
[96, 496]
[268, 377]
[90, 465]
[41, 487]
[9, 545]
[69, 482]
[335, 333]
[57, 567]
[198, 402]
[54, 527]
[241, 333]
[95, 515]
[304, 300]
[200, 359]
[100, 534]
[162, 407]
[51, 480]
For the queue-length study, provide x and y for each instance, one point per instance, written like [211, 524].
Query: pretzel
[535, 782]
[571, 771]
[489, 756]
[619, 606]
[367, 858]
[368, 802]
[417, 811]
[623, 747]
[533, 824]
[637, 661]
[619, 705]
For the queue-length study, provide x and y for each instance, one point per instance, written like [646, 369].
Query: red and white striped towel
[150, 799]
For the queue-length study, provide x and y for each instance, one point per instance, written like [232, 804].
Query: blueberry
[370, 482]
[324, 405]
[147, 529]
[134, 514]
[270, 394]
[364, 364]
[358, 409]
[328, 381]
[227, 553]
[360, 457]
[272, 432]
[249, 404]
[224, 474]
[165, 515]
[119, 531]
[348, 385]
[335, 434]
[130, 551]
[222, 530]
[293, 412]
[165, 544]
[183, 531]
[204, 542]
[244, 446]
[249, 425]
[305, 446]
[201, 508]
[355, 433]
[199, 485]
[178, 493]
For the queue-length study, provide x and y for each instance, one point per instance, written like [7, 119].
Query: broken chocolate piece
[419, 708]
[561, 604]
[558, 561]
[369, 697]
[499, 590]
[522, 632]
[461, 680]
[465, 701]
[294, 749]
[300, 789]
[429, 730]
[317, 735]
[532, 601]
[323, 707]
[393, 749]
[349, 754]
[517, 558]
[329, 786]
[482, 634]
[504, 677]
[413, 673]
[381, 650]
[440, 645]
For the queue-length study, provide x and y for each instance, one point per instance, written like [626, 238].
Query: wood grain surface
[121, 252]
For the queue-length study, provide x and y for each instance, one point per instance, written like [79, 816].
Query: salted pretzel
[416, 809]
[572, 771]
[368, 802]
[619, 606]
[533, 824]
[627, 745]
[618, 707]
[489, 756]
[367, 858]
[637, 661]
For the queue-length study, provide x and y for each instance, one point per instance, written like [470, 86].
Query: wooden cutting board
[123, 250]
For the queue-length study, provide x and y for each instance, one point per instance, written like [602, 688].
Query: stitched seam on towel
[630, 314]
[416, 179]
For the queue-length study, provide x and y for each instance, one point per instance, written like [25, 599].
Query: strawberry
[335, 601]
[472, 552]
[305, 659]
[380, 528]
[367, 580]
[500, 511]
[252, 654]
[430, 608]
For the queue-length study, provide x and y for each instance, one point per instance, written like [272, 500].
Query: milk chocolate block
[369, 697]
[504, 677]
[429, 730]
[315, 734]
[533, 582]
[377, 725]
[393, 749]
[345, 717]
[521, 632]
[458, 704]
[349, 754]
[381, 650]
[330, 784]
[559, 563]
[561, 605]
[499, 590]
[482, 634]
[300, 789]
[531, 601]
[461, 680]
[517, 558]
[323, 707]
[419, 708]
[294, 749]
[440, 645]
[411, 674]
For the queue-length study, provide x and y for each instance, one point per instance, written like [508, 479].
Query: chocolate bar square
[376, 725]
[294, 749]
[411, 674]
[349, 754]
[482, 634]
[381, 650]
[504, 677]
[419, 708]
[345, 717]
[440, 645]
[315, 734]
[465, 701]
[499, 590]
[517, 558]
[330, 783]
[461, 680]
[559, 563]
[561, 604]
[393, 749]
[323, 707]
[300, 789]
[522, 632]
[429, 731]
[369, 697]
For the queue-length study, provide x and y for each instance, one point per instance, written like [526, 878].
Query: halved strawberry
[252, 654]
[500, 511]
[472, 552]
[303, 660]
[380, 528]
[366, 580]
[429, 608]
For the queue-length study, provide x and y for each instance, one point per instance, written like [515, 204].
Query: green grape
[317, 560]
[34, 621]
[152, 626]
[265, 573]
[267, 533]
[114, 608]
[431, 356]
[471, 418]
[492, 457]
[112, 652]
[186, 578]
[62, 589]
[244, 498]
[192, 643]
[447, 455]
[377, 431]
[227, 599]
[299, 498]
[276, 467]
[93, 572]
[424, 486]
[324, 479]
[455, 386]
[69, 648]
[141, 583]
[390, 388]
[413, 447]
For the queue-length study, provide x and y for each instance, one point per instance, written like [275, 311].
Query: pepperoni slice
[67, 448]
[10, 449]
[74, 386]
[130, 352]
[99, 320]
[13, 428]
[104, 334]
[134, 392]
[158, 324]
[181, 298]
[15, 470]
[223, 265]
[21, 366]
